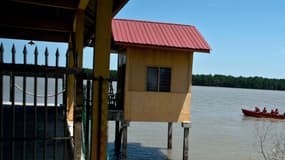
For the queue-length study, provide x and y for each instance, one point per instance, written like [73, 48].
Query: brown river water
[219, 129]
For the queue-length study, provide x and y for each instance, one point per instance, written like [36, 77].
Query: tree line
[238, 82]
[231, 81]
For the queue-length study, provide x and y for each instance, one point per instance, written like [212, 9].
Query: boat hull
[261, 114]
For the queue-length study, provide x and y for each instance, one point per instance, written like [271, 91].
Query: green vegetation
[227, 81]
[238, 82]
[114, 75]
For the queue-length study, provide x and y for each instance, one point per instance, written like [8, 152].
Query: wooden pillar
[169, 136]
[125, 125]
[101, 74]
[77, 114]
[186, 126]
[70, 94]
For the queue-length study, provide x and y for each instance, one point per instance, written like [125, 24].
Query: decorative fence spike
[56, 57]
[13, 54]
[66, 57]
[46, 56]
[36, 55]
[25, 54]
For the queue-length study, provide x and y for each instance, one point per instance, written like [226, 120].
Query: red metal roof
[156, 34]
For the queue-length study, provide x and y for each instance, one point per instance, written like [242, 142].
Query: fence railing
[33, 107]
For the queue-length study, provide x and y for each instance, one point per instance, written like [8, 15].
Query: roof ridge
[156, 22]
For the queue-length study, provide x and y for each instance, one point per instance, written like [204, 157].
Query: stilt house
[155, 69]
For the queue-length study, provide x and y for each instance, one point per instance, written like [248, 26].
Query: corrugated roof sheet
[177, 36]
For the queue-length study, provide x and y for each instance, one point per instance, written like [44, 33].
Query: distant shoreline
[238, 82]
[218, 80]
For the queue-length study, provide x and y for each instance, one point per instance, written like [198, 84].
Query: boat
[260, 114]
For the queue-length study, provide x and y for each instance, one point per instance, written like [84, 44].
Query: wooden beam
[100, 87]
[63, 4]
[118, 6]
[33, 23]
[79, 35]
[28, 34]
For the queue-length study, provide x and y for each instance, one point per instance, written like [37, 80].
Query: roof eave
[183, 49]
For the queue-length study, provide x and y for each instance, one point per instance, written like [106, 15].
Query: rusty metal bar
[12, 99]
[117, 138]
[35, 103]
[55, 104]
[1, 100]
[24, 105]
[88, 112]
[65, 106]
[46, 105]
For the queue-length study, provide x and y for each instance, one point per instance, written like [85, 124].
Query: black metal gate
[33, 107]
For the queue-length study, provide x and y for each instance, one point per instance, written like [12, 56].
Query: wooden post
[186, 126]
[169, 136]
[125, 125]
[70, 94]
[77, 114]
[101, 74]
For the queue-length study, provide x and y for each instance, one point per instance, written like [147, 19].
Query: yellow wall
[141, 105]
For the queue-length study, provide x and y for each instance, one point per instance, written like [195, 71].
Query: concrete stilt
[125, 125]
[186, 126]
[169, 136]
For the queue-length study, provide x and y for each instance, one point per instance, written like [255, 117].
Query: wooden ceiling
[48, 20]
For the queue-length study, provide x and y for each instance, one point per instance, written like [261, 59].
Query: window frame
[158, 87]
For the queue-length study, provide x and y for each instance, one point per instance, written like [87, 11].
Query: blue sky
[247, 37]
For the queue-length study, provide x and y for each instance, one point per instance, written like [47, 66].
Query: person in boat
[272, 111]
[276, 111]
[257, 109]
[264, 110]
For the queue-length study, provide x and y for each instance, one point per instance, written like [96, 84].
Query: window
[158, 79]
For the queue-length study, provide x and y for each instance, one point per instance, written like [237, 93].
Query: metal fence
[33, 107]
[87, 108]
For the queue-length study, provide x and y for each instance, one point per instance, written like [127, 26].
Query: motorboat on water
[262, 114]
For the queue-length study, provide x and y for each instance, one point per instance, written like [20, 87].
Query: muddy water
[219, 129]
